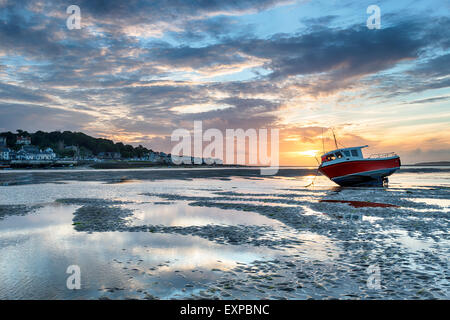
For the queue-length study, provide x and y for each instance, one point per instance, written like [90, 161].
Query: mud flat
[222, 236]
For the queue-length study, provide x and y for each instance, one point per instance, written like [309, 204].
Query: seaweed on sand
[16, 210]
[100, 218]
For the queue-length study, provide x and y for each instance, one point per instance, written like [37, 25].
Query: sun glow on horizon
[308, 153]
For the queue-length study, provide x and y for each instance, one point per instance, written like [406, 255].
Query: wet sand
[223, 234]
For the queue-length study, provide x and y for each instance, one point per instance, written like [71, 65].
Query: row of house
[157, 157]
[194, 160]
[27, 152]
[32, 153]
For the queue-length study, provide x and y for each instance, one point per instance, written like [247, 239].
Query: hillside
[87, 145]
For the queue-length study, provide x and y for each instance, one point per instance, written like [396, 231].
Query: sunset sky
[137, 70]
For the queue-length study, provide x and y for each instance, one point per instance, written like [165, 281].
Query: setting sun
[308, 153]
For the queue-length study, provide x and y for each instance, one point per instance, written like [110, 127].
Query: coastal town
[24, 154]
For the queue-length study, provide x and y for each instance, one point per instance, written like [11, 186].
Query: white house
[48, 154]
[27, 153]
[4, 153]
[154, 157]
[26, 141]
[33, 153]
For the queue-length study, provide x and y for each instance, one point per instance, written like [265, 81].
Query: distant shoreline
[143, 165]
[123, 165]
[431, 164]
[117, 176]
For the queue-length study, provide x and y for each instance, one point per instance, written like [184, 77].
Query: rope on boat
[315, 176]
[314, 179]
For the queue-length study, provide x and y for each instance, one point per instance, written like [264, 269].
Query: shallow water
[234, 237]
[36, 250]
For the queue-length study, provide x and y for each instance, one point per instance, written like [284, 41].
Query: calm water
[227, 238]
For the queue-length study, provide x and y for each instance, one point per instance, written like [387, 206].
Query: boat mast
[334, 136]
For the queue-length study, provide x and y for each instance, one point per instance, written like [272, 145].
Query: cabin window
[355, 153]
[339, 155]
[347, 153]
[331, 157]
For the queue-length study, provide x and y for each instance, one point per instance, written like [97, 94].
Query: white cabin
[345, 154]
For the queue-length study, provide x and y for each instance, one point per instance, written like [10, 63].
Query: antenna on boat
[334, 136]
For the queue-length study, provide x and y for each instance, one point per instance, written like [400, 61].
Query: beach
[223, 233]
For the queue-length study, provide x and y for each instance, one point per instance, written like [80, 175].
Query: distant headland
[435, 163]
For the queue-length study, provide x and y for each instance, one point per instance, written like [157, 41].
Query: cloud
[438, 66]
[339, 56]
[419, 155]
[343, 53]
[18, 93]
[35, 117]
[139, 69]
[158, 17]
[18, 35]
[429, 100]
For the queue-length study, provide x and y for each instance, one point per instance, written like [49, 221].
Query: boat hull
[361, 172]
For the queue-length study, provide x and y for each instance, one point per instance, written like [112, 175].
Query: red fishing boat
[348, 167]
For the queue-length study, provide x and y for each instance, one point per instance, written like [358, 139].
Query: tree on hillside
[89, 145]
